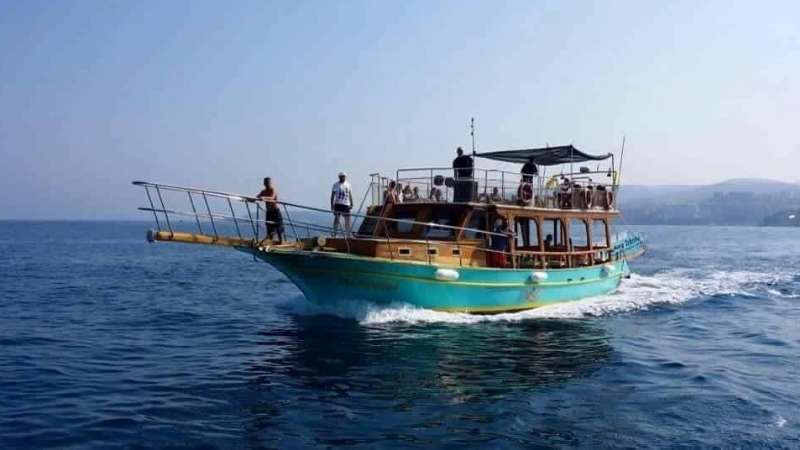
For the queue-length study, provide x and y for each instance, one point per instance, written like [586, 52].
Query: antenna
[472, 133]
[619, 173]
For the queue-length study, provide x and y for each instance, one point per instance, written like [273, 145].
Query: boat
[482, 240]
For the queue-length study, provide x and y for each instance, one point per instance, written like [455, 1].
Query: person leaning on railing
[273, 218]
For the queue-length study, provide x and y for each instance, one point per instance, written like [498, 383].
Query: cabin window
[477, 221]
[456, 252]
[433, 251]
[443, 216]
[403, 227]
[553, 234]
[527, 233]
[578, 230]
[404, 251]
[403, 214]
[599, 233]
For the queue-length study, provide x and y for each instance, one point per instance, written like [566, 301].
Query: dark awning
[548, 156]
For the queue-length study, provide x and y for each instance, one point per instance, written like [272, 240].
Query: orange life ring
[609, 199]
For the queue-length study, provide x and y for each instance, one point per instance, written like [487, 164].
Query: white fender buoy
[446, 274]
[607, 269]
[538, 277]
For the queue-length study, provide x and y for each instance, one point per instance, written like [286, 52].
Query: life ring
[587, 198]
[609, 199]
[525, 192]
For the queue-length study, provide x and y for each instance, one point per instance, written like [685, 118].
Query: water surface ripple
[109, 342]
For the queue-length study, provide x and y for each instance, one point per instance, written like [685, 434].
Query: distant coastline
[736, 202]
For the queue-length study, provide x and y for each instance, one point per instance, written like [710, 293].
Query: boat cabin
[556, 220]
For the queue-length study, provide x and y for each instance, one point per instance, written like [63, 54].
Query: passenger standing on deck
[273, 218]
[341, 203]
[390, 197]
[462, 165]
[529, 170]
[464, 189]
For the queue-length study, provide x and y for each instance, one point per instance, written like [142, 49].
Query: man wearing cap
[341, 203]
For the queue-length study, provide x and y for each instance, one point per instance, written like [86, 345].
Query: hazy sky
[219, 94]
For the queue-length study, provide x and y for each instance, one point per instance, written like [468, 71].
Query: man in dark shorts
[274, 218]
[341, 203]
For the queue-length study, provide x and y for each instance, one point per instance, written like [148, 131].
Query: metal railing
[214, 214]
[571, 190]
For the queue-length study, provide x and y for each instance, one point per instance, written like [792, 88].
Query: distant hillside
[731, 202]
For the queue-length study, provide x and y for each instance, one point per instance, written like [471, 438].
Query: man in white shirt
[341, 203]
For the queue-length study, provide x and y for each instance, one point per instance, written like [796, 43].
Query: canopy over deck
[547, 156]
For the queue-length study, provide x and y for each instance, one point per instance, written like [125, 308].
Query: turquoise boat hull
[328, 277]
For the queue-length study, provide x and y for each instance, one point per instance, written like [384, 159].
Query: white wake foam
[640, 292]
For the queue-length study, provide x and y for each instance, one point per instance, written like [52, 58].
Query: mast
[619, 174]
[472, 133]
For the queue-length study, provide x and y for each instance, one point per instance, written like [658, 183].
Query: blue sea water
[107, 341]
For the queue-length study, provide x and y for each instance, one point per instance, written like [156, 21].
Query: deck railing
[223, 215]
[588, 189]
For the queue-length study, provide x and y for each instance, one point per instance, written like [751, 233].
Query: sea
[107, 341]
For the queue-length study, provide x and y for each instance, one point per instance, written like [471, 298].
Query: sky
[95, 94]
